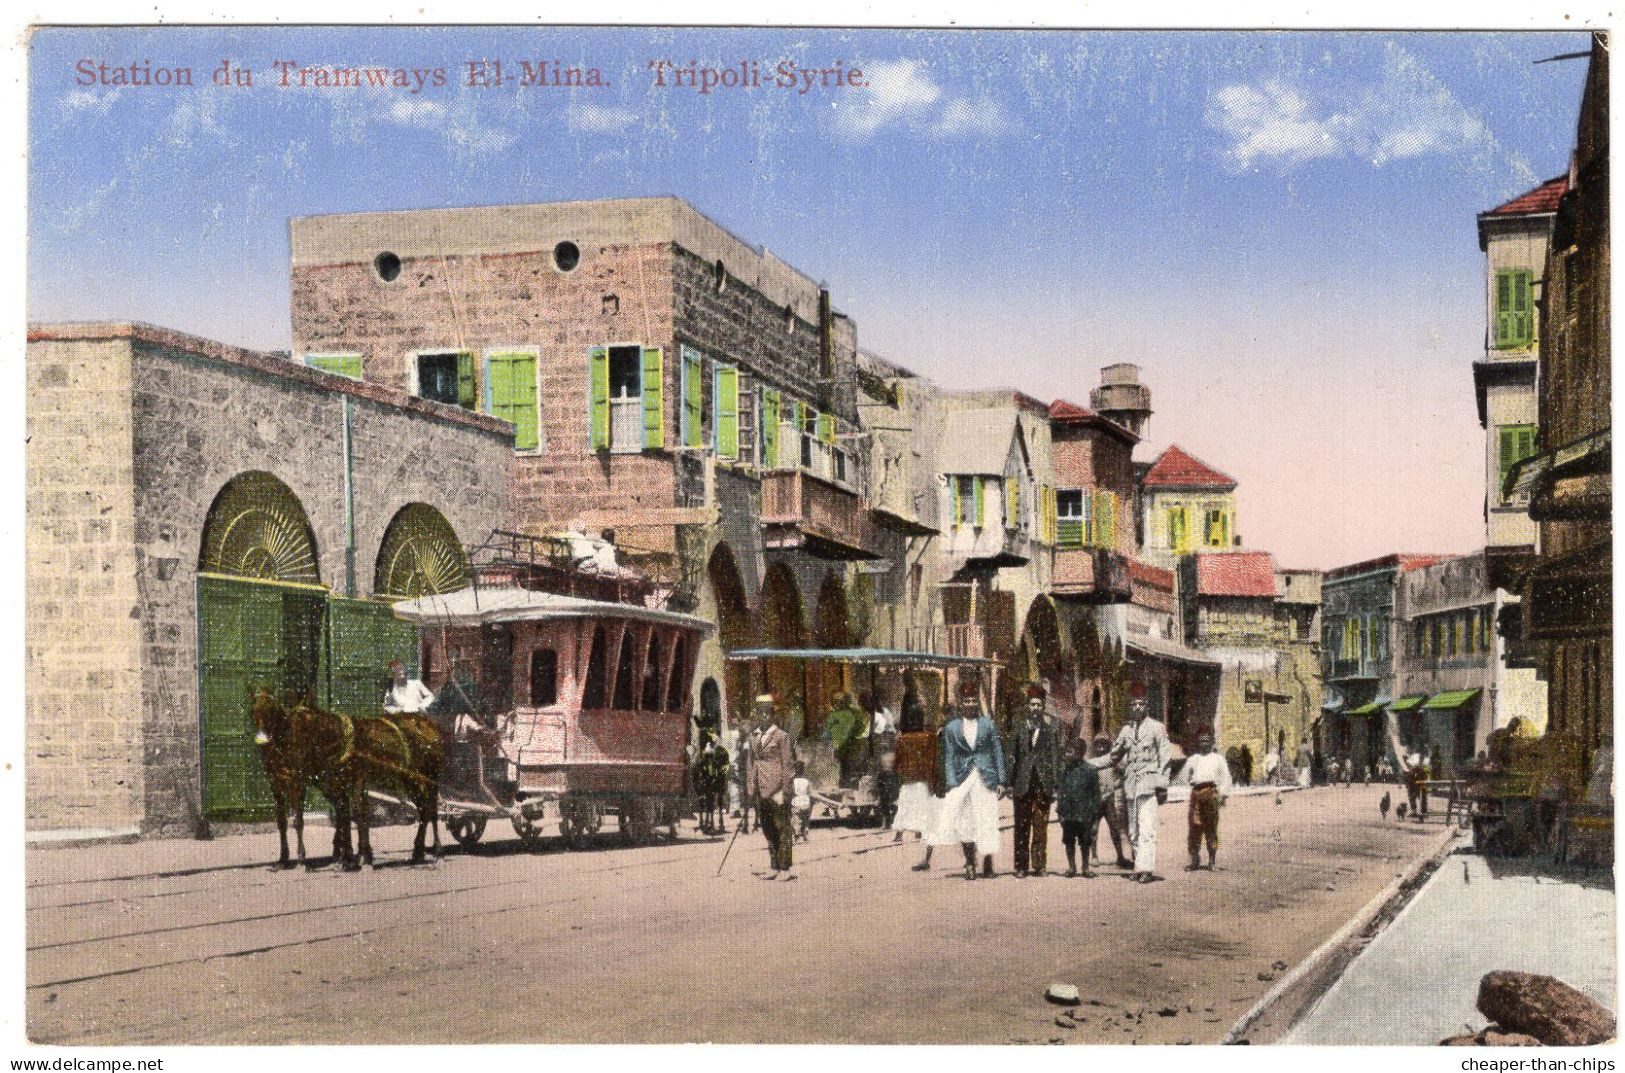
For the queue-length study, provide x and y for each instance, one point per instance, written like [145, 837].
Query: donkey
[298, 749]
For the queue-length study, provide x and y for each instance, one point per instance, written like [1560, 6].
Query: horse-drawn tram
[559, 702]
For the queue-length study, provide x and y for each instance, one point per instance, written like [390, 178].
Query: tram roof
[473, 607]
[861, 655]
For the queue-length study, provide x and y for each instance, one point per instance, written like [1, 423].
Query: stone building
[202, 519]
[1564, 625]
[1185, 506]
[1258, 624]
[669, 382]
[1359, 639]
[1451, 687]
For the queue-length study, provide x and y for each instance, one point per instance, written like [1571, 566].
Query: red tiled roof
[1542, 198]
[1147, 574]
[1400, 562]
[1175, 468]
[1235, 573]
[1061, 410]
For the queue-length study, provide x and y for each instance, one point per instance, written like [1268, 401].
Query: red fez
[968, 689]
[1204, 732]
[1137, 691]
[1035, 691]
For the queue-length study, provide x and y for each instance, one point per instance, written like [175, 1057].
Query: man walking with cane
[1143, 748]
[772, 768]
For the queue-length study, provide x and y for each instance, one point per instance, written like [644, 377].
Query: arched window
[624, 698]
[420, 555]
[678, 686]
[651, 675]
[595, 694]
[257, 528]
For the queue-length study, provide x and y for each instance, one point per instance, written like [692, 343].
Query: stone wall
[193, 416]
[82, 675]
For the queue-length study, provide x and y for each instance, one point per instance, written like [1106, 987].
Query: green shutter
[1012, 502]
[1224, 529]
[466, 396]
[1517, 442]
[1178, 530]
[511, 383]
[343, 364]
[953, 500]
[1050, 525]
[598, 397]
[654, 398]
[1105, 519]
[770, 427]
[826, 427]
[693, 421]
[726, 411]
[976, 500]
[1514, 308]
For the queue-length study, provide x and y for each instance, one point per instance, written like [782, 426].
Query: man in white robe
[973, 771]
[1144, 750]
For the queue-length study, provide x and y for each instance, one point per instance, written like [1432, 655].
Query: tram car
[562, 704]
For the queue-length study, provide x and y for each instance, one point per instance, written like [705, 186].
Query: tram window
[623, 674]
[544, 677]
[651, 676]
[596, 692]
[678, 687]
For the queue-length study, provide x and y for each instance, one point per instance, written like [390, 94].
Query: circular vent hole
[566, 255]
[387, 265]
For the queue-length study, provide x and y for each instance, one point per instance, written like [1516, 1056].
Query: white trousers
[969, 813]
[1142, 831]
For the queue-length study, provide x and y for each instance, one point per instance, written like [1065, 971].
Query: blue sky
[1279, 227]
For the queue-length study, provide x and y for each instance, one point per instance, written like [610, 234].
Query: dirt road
[187, 942]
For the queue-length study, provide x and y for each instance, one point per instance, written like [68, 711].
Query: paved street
[188, 942]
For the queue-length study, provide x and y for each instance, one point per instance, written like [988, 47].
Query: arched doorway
[261, 615]
[722, 600]
[831, 629]
[782, 625]
[1040, 657]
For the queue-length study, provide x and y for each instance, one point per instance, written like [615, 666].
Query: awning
[1405, 704]
[472, 607]
[1449, 700]
[1158, 648]
[873, 656]
[1371, 708]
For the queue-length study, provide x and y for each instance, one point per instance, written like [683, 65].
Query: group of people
[949, 784]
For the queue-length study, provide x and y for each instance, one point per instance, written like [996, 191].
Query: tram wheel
[465, 829]
[528, 829]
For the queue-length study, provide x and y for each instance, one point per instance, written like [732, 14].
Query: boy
[801, 800]
[1077, 803]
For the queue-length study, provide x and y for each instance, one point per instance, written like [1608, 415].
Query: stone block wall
[82, 674]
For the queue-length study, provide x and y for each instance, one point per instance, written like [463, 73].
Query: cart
[582, 714]
[860, 803]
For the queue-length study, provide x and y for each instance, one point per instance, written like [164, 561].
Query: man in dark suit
[1036, 755]
[772, 767]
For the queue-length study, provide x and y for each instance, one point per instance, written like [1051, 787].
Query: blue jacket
[959, 758]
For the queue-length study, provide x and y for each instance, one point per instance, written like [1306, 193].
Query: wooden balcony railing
[802, 511]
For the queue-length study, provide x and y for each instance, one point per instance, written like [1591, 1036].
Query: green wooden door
[362, 637]
[250, 634]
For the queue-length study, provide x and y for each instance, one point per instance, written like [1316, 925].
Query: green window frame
[1216, 528]
[1514, 308]
[1071, 518]
[691, 422]
[598, 397]
[1515, 443]
[1103, 518]
[510, 393]
[725, 407]
[654, 398]
[342, 364]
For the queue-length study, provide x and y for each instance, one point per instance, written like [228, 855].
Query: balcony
[952, 639]
[824, 519]
[1093, 575]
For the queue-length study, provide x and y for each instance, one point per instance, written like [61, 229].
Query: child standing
[1077, 802]
[801, 800]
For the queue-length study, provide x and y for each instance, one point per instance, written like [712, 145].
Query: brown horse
[298, 749]
[397, 753]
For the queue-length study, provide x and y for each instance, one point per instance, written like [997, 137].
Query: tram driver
[405, 695]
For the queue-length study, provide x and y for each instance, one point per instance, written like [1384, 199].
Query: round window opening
[566, 255]
[388, 266]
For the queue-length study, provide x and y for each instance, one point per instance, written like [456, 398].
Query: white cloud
[903, 93]
[88, 100]
[599, 118]
[457, 122]
[1403, 114]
